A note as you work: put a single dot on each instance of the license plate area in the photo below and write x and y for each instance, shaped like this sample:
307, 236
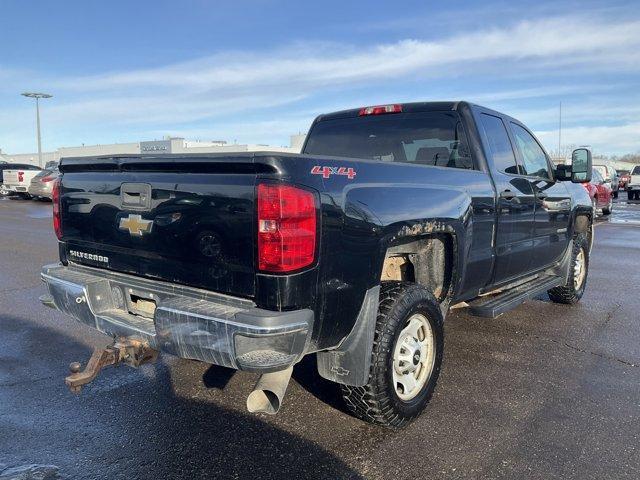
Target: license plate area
141, 303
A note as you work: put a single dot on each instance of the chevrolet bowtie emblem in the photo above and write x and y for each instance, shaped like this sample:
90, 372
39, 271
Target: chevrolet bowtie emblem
136, 225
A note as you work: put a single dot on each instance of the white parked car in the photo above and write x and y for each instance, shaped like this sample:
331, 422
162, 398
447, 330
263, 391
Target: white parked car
633, 185
16, 181
610, 177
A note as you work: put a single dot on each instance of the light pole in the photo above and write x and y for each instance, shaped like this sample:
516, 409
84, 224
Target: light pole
38, 96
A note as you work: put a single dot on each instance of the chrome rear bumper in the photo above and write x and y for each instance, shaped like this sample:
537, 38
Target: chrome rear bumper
187, 322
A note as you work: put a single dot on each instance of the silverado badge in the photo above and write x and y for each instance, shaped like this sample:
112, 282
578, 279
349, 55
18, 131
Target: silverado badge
136, 225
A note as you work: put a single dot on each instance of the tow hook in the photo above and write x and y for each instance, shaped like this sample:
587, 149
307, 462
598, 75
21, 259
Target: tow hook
123, 350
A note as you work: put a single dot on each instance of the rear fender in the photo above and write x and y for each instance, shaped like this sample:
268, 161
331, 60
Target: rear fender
403, 214
377, 218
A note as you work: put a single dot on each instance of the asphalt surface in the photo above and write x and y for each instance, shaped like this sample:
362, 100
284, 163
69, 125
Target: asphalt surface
543, 391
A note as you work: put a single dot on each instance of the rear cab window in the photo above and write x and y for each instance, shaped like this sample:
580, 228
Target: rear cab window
19, 166
421, 138
596, 176
601, 169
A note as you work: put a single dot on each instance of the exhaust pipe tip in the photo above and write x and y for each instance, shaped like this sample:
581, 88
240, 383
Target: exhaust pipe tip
263, 401
269, 392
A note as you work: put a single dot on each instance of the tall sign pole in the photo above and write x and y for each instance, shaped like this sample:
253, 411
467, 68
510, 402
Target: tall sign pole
560, 131
38, 96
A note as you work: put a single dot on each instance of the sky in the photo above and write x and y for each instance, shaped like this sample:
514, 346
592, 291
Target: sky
258, 71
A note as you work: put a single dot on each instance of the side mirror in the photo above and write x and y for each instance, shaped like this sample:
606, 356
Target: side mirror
581, 165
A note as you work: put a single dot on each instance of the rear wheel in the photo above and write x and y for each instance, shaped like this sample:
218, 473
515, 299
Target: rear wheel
573, 290
406, 357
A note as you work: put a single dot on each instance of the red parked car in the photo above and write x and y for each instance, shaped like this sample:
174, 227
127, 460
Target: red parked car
600, 193
623, 178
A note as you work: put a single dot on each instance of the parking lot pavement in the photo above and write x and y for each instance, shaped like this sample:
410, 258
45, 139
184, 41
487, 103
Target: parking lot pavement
543, 391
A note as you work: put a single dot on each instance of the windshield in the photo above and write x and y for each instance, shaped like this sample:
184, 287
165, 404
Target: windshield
433, 138
596, 177
47, 173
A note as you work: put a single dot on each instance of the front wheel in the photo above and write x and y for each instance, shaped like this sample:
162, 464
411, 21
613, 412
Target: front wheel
406, 357
573, 290
607, 210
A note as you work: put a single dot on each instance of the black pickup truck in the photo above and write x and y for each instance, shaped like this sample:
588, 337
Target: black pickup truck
353, 250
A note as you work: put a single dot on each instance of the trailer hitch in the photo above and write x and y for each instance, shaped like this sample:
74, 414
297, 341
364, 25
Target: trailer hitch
123, 350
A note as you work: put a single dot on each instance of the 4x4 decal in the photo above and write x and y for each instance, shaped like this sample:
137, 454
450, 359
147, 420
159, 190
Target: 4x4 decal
326, 172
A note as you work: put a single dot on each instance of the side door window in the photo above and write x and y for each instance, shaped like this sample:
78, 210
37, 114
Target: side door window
504, 160
533, 157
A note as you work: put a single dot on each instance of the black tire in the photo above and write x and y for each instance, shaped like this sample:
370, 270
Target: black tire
378, 402
570, 293
615, 194
607, 210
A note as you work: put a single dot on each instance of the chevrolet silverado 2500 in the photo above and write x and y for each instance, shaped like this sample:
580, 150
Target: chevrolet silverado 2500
353, 250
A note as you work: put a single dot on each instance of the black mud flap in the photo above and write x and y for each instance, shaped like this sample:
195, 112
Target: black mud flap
349, 363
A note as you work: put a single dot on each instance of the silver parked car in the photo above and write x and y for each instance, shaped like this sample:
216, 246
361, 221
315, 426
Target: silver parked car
41, 185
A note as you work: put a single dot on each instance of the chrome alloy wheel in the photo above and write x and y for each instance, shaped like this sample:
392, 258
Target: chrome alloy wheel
579, 270
413, 357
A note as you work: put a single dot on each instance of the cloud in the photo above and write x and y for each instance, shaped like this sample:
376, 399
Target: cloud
618, 139
560, 41
232, 89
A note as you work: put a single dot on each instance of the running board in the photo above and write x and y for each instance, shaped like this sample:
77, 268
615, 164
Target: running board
494, 305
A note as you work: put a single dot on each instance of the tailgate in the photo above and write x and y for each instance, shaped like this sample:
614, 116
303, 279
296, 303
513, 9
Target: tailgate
182, 220
10, 177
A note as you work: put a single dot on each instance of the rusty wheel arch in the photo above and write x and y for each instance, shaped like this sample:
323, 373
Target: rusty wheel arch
428, 259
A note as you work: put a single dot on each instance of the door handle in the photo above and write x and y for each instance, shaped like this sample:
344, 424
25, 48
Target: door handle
507, 195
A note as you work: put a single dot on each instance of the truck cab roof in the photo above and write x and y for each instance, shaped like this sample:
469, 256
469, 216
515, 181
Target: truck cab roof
452, 105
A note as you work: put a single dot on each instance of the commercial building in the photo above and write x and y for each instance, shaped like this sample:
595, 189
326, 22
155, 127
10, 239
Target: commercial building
166, 145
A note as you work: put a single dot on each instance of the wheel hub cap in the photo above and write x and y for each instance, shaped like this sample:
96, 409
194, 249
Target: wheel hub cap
579, 270
413, 357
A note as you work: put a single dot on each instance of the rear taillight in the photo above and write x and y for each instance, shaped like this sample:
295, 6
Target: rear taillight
286, 228
55, 198
380, 110
47, 179
21, 177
